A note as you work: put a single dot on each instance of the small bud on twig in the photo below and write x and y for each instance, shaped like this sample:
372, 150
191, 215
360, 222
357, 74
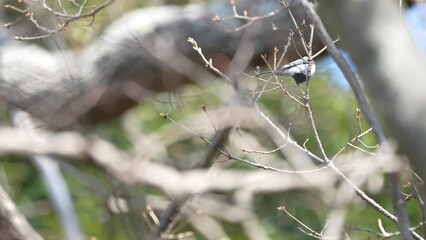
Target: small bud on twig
164, 115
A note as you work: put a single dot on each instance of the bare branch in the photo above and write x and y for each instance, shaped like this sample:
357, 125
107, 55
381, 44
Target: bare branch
62, 16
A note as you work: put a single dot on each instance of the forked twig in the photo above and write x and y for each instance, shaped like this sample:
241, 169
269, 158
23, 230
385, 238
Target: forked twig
214, 148
311, 231
63, 17
249, 19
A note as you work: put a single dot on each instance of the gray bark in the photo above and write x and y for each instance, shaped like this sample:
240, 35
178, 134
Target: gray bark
392, 67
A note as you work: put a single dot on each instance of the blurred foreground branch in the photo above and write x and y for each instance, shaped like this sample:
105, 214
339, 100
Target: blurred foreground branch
137, 170
13, 225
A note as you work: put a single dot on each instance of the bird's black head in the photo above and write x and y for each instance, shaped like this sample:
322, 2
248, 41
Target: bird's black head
299, 78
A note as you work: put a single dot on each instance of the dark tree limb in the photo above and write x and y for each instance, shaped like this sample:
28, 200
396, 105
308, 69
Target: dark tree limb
391, 66
371, 45
218, 142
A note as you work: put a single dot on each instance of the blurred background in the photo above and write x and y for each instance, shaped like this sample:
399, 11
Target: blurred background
120, 68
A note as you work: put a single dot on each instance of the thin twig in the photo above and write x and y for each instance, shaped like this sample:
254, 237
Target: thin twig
367, 146
269, 168
209, 63
315, 234
250, 19
308, 51
315, 131
351, 141
362, 150
380, 234
282, 134
283, 88
62, 16
271, 151
419, 198
304, 44
208, 116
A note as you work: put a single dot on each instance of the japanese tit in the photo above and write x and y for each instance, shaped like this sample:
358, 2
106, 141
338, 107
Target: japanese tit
297, 69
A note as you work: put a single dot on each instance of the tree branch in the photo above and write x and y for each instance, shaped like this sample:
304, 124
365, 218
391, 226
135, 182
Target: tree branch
13, 225
399, 203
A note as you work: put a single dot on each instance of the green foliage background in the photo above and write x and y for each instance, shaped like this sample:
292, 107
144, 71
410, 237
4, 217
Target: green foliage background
334, 110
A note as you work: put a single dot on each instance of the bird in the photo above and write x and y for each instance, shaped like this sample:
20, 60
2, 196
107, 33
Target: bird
297, 69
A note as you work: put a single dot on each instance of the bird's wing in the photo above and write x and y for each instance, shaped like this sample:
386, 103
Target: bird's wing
294, 64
